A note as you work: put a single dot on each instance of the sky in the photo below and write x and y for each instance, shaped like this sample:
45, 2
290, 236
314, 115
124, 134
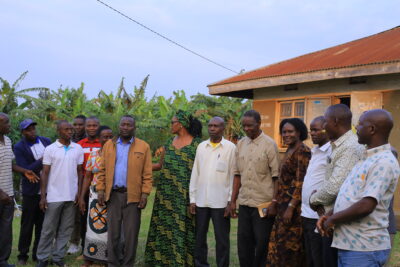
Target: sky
66, 42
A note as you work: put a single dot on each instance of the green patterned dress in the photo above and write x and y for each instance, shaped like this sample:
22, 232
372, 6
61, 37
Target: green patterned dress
171, 236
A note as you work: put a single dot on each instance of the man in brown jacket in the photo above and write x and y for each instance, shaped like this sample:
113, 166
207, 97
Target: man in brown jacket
124, 182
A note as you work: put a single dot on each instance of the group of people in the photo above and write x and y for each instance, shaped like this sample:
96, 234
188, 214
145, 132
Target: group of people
325, 206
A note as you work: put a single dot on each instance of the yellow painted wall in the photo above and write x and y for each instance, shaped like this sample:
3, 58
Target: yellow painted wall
391, 102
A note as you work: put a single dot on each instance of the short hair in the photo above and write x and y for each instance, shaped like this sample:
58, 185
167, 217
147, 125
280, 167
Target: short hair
298, 124
102, 128
2, 114
82, 117
319, 119
342, 113
61, 122
254, 114
127, 116
93, 118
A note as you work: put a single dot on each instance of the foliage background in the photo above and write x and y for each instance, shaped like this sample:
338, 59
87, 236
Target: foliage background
45, 106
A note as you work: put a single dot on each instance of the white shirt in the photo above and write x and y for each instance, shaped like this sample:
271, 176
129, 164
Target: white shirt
6, 158
375, 176
63, 177
38, 150
314, 178
212, 174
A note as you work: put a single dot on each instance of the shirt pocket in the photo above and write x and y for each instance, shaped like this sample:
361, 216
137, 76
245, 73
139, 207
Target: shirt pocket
261, 163
222, 166
138, 155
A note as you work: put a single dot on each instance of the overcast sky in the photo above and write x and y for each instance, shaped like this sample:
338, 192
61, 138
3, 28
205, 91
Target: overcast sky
66, 42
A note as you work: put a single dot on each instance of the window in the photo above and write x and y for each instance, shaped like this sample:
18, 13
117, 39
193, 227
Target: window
291, 109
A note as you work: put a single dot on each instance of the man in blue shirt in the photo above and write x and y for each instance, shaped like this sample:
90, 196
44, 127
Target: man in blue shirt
29, 155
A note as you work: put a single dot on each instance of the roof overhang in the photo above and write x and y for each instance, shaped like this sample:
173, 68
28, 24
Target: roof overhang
244, 89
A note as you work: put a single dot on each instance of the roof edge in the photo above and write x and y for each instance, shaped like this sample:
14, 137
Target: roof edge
303, 55
304, 77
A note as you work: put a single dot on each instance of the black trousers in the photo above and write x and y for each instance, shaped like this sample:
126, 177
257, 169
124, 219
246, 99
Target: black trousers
125, 217
329, 254
83, 223
253, 237
222, 228
312, 243
6, 218
31, 220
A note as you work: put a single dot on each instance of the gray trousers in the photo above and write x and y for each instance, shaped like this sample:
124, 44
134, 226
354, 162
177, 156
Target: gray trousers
6, 218
125, 216
57, 227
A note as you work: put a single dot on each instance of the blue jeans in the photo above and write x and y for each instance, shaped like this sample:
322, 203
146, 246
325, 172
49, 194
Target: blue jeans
362, 258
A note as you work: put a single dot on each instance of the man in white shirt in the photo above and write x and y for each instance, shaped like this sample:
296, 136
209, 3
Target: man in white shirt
210, 192
360, 215
313, 180
62, 168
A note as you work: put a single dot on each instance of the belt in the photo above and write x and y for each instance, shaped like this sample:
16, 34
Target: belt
119, 189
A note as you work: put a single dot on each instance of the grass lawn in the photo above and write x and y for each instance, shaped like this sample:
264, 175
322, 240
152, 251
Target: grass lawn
71, 259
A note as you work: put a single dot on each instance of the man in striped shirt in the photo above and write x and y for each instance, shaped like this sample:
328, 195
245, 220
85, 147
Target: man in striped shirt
6, 189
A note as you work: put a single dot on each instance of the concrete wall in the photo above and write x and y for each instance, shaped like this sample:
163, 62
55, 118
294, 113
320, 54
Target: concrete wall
267, 110
391, 102
382, 83
386, 95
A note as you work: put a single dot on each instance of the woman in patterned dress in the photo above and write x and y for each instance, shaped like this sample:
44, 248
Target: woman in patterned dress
96, 235
285, 244
171, 237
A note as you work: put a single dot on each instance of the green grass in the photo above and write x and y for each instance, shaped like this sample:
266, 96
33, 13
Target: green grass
234, 261
70, 260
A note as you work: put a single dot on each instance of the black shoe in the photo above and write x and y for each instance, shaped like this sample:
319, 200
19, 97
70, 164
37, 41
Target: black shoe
22, 262
42, 263
59, 263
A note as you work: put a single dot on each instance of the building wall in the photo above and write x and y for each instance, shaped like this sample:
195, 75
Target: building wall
391, 102
383, 91
267, 110
382, 83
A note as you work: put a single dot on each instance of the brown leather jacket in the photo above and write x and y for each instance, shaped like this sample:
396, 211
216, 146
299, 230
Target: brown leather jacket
139, 176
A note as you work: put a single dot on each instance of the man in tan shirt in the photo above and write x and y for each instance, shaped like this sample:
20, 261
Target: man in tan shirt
255, 182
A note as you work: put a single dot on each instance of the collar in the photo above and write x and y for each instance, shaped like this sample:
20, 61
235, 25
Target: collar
223, 140
258, 138
71, 145
37, 141
119, 141
376, 150
325, 147
86, 140
343, 138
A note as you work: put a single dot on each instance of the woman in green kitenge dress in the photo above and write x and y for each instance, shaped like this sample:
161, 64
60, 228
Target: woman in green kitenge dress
171, 237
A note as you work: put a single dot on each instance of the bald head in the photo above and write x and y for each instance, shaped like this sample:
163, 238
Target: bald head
374, 127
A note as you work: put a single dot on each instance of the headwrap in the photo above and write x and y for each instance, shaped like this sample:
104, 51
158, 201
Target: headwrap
184, 117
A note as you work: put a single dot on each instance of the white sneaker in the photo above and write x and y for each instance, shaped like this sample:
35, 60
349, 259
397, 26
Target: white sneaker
73, 249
